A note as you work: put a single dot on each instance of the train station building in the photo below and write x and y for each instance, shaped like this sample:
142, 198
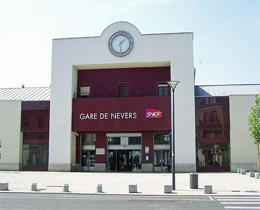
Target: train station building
110, 108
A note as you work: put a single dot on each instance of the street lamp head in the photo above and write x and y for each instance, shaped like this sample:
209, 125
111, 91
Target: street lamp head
173, 84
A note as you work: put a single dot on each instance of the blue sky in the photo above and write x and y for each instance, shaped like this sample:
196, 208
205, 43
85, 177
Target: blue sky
226, 34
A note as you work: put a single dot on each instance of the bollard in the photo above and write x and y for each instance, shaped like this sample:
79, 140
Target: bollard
99, 188
167, 188
3, 186
251, 174
34, 187
207, 189
194, 181
257, 175
132, 188
66, 188
243, 171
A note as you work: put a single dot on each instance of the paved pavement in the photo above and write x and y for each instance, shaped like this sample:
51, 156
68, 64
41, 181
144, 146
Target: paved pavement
118, 183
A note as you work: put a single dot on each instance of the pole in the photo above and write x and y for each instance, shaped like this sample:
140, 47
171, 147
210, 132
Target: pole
173, 85
173, 143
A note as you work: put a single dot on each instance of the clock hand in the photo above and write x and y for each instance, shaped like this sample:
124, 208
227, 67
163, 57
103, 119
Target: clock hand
121, 42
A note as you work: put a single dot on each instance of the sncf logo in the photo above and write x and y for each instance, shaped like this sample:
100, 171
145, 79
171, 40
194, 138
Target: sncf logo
153, 113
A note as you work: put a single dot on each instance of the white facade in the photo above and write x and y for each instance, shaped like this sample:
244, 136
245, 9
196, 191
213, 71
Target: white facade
10, 135
72, 55
243, 150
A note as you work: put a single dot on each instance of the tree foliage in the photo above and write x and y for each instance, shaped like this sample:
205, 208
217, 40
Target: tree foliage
254, 120
254, 127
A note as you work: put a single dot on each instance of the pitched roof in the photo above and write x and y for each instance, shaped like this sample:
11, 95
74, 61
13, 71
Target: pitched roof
226, 90
44, 93
26, 94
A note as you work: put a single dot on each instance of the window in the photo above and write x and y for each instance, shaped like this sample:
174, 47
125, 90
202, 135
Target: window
163, 90
123, 91
113, 140
161, 138
213, 154
134, 140
206, 118
213, 117
35, 154
41, 122
84, 92
88, 139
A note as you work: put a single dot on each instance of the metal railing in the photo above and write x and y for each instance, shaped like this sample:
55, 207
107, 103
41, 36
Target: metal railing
116, 94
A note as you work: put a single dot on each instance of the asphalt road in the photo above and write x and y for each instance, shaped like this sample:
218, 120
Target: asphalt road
98, 201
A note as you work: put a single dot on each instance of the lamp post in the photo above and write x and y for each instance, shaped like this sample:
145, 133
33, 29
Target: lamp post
173, 85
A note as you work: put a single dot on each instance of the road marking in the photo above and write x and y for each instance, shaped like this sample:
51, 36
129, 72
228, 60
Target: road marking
211, 198
241, 207
227, 197
237, 199
240, 203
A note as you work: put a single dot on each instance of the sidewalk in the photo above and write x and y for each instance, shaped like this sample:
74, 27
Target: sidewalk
118, 183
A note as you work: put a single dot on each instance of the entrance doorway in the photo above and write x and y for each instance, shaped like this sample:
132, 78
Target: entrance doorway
124, 160
161, 160
88, 160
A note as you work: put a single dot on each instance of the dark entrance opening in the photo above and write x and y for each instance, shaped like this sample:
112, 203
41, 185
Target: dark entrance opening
124, 160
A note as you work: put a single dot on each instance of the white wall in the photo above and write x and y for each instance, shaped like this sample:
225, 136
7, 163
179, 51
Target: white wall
174, 50
243, 150
182, 70
10, 135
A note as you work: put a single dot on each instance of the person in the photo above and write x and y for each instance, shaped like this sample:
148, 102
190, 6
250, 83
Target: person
137, 162
169, 166
112, 162
122, 160
134, 162
131, 163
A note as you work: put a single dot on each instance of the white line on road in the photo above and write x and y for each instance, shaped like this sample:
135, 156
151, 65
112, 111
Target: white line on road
240, 203
241, 199
241, 207
227, 197
211, 198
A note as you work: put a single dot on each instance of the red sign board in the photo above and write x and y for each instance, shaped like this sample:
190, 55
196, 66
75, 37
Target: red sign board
121, 114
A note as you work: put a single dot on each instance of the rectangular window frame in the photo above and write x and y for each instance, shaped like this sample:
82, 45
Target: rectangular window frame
134, 140
113, 140
161, 139
85, 91
88, 139
163, 89
123, 90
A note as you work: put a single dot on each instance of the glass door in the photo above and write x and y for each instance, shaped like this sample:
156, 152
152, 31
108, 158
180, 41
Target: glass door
124, 160
88, 160
161, 160
136, 156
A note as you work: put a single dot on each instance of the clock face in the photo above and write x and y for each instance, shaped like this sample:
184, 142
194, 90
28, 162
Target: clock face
120, 43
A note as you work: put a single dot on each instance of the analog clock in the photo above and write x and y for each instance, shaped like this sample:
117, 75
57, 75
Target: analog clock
120, 43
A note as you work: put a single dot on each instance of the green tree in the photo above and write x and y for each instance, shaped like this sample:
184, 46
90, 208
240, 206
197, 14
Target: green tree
254, 126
